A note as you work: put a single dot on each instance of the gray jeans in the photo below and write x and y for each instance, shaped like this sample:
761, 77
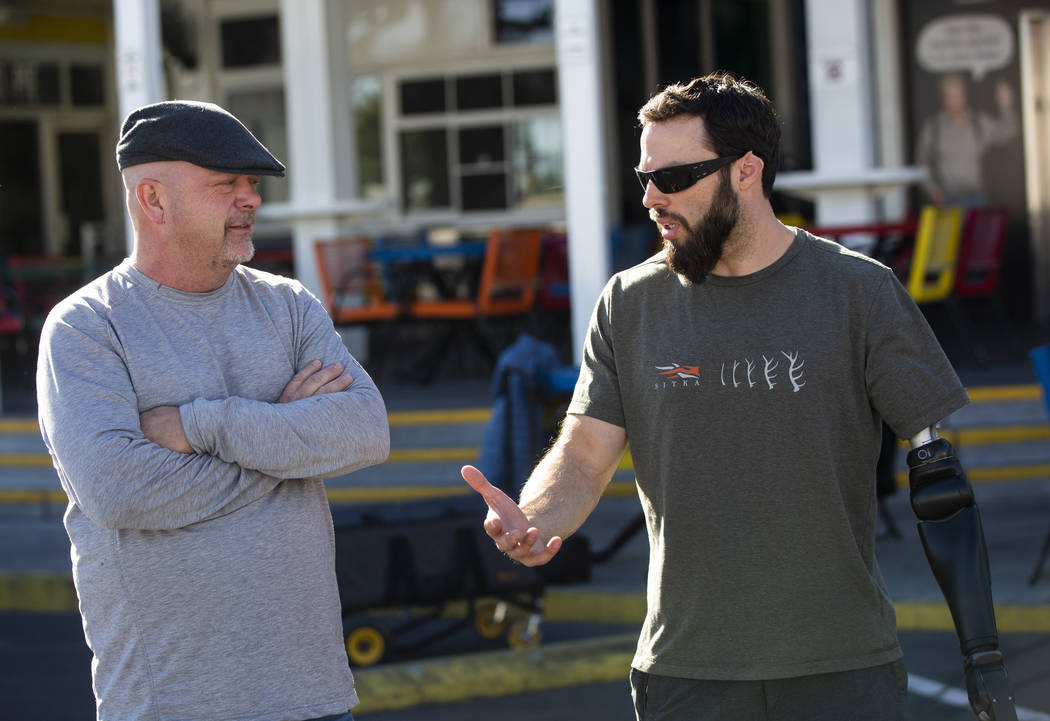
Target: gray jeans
879, 693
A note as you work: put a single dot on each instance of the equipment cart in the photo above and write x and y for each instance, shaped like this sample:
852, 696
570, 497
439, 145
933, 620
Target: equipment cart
406, 570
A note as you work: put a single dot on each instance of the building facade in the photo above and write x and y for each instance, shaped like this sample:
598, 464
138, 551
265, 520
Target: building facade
408, 117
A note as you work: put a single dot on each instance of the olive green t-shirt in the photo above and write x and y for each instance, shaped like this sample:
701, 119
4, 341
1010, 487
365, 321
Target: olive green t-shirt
752, 407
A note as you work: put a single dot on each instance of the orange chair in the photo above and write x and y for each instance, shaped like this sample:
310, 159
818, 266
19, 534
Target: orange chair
507, 288
351, 283
507, 285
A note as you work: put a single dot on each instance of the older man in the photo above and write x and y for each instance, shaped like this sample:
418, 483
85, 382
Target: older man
192, 407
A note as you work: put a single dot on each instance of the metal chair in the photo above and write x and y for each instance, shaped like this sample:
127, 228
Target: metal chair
351, 282
977, 272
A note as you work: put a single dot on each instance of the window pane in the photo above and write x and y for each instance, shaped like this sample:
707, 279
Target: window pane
48, 88
251, 41
412, 33
487, 191
481, 145
424, 169
523, 21
538, 174
479, 91
423, 96
88, 85
366, 100
25, 82
535, 87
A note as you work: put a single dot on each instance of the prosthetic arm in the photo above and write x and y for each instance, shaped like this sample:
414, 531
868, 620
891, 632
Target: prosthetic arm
950, 529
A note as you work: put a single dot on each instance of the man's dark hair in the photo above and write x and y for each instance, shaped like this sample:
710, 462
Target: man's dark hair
737, 116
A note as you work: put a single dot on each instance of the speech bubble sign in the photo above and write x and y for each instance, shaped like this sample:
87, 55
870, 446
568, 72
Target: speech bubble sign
974, 43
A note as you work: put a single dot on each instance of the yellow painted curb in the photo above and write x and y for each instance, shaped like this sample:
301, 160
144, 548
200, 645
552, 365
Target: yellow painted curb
450, 454
994, 474
19, 425
566, 606
25, 460
989, 394
494, 674
964, 437
934, 616
17, 497
385, 494
37, 593
439, 417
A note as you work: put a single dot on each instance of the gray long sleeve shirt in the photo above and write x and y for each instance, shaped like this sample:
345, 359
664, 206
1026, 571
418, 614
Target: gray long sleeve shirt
207, 580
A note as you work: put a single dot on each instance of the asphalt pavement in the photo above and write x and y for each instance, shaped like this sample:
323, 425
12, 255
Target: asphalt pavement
579, 670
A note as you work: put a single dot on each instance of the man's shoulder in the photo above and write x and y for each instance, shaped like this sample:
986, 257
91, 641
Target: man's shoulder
651, 270
272, 289
264, 280
98, 298
838, 258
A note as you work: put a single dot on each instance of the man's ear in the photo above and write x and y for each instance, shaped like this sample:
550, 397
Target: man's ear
750, 169
149, 194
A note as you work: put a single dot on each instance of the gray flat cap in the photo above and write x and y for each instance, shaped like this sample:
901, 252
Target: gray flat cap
200, 133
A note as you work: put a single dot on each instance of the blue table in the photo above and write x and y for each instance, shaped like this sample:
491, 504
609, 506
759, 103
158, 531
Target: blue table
404, 267
416, 253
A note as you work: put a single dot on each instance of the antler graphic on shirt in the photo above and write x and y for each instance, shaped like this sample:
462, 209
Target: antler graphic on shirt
750, 368
795, 371
736, 383
771, 365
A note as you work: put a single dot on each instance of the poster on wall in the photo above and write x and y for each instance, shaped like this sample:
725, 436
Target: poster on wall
964, 77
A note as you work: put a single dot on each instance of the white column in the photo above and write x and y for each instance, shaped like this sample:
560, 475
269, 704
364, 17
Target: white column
840, 91
889, 110
313, 173
586, 193
139, 61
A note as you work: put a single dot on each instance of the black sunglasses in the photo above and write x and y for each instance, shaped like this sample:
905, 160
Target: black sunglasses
676, 178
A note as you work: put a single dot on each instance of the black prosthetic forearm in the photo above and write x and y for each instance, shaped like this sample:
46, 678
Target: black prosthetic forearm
952, 537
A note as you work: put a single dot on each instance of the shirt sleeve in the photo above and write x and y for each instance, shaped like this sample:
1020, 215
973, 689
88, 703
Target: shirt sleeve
89, 419
597, 392
322, 436
911, 382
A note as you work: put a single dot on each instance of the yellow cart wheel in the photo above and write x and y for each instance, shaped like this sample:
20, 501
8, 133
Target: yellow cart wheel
365, 646
490, 619
524, 633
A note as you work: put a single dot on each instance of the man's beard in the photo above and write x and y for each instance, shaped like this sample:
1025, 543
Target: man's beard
698, 251
230, 256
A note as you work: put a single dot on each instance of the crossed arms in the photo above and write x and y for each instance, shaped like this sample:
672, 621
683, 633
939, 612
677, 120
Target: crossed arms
121, 469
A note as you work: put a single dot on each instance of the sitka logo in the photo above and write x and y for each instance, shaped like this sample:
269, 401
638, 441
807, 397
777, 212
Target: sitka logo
677, 376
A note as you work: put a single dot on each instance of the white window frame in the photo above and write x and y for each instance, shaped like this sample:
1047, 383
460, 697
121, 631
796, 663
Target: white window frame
505, 116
